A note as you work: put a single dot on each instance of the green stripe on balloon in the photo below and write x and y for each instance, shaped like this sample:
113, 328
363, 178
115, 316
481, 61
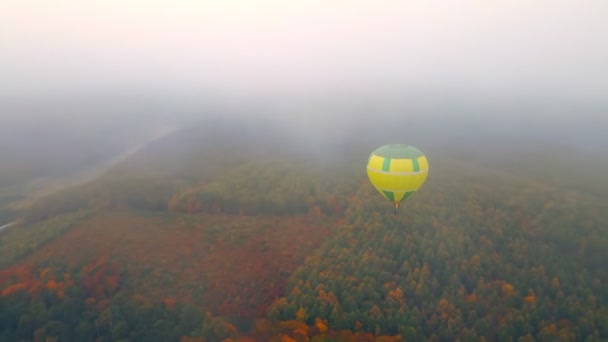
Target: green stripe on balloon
389, 194
386, 165
416, 165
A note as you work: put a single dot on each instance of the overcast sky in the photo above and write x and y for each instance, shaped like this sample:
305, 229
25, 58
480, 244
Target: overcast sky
307, 50
423, 72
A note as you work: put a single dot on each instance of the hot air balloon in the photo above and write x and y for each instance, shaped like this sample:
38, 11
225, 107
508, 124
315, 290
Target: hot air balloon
397, 171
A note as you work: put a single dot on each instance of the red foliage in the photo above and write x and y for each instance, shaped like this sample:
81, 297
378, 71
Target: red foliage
101, 279
25, 278
112, 282
169, 303
14, 288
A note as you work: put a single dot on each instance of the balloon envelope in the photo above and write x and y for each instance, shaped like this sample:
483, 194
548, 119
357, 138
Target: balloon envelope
397, 171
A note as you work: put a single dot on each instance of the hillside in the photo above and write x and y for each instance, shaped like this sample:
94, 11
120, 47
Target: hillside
242, 231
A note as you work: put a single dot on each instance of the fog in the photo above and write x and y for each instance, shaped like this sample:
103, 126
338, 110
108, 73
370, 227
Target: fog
90, 78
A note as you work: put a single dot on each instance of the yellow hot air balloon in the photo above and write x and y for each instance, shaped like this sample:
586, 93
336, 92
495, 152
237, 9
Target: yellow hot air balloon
397, 171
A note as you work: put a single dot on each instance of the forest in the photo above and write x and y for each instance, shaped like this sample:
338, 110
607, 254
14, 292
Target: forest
230, 232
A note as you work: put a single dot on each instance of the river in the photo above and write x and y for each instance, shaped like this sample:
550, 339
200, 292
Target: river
7, 225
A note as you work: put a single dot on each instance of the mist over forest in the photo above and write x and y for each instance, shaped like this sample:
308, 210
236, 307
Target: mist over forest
49, 137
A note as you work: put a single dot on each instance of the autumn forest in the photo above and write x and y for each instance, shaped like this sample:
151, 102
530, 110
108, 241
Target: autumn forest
228, 232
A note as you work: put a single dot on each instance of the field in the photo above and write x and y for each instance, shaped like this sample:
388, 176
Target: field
234, 266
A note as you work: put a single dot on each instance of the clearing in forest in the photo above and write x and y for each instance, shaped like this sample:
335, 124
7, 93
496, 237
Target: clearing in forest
231, 265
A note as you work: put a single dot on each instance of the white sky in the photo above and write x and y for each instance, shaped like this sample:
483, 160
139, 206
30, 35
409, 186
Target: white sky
315, 48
